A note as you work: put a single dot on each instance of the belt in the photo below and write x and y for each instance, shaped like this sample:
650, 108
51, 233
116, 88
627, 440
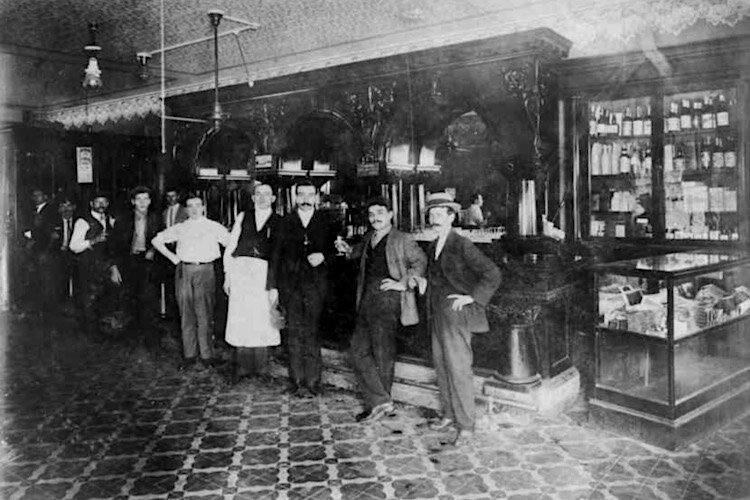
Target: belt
196, 263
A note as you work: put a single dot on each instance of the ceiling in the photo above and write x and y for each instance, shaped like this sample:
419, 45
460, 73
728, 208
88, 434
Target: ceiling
42, 41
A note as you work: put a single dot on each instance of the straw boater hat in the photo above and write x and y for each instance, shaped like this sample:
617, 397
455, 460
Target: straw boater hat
442, 199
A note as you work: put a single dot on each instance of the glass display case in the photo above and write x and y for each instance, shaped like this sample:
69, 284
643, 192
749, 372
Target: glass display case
672, 344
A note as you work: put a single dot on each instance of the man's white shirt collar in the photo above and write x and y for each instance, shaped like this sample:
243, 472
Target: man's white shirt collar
261, 216
305, 216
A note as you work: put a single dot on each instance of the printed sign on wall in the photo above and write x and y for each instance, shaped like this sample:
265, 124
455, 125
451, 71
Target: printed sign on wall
85, 164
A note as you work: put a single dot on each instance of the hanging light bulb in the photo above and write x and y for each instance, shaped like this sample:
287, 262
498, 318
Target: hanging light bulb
92, 75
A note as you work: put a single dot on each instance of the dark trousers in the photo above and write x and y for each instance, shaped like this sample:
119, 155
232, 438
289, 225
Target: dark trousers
42, 288
142, 299
96, 287
304, 307
196, 293
452, 358
373, 344
250, 361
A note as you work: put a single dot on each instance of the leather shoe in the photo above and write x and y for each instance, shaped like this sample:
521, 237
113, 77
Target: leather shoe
359, 417
440, 424
186, 363
381, 411
464, 438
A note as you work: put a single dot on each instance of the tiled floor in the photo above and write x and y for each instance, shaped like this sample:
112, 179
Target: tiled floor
83, 421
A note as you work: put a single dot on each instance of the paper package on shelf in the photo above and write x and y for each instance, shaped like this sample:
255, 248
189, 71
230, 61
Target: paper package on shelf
648, 317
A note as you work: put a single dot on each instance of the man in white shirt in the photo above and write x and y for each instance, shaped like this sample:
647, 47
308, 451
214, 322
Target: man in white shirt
97, 269
198, 240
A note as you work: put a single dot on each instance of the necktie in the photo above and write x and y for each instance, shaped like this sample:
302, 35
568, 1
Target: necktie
66, 233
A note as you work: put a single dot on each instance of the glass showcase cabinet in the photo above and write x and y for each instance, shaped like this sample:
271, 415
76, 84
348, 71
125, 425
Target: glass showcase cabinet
672, 341
658, 151
660, 194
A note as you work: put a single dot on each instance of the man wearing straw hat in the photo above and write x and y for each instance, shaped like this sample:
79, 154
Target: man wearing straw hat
460, 282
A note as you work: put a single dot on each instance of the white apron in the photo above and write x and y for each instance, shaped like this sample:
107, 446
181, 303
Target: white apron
249, 316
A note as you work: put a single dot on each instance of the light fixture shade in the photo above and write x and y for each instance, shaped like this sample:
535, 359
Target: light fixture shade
92, 75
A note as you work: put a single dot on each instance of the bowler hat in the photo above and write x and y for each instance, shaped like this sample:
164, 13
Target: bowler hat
441, 199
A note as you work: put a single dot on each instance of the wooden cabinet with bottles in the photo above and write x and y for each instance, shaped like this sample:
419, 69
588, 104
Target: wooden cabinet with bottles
659, 145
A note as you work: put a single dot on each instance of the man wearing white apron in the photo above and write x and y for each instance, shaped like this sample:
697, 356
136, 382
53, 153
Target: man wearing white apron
249, 325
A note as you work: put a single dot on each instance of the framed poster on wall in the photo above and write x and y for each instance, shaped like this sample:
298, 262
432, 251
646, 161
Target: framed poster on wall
85, 164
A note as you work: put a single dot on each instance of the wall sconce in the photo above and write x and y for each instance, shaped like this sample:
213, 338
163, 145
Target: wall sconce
92, 75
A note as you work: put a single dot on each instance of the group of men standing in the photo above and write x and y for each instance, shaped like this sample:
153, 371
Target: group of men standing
276, 277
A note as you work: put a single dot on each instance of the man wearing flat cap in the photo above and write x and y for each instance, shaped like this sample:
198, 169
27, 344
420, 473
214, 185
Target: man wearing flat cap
460, 282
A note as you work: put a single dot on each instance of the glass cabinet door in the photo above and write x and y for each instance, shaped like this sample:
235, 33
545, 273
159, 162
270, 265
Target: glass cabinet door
700, 166
620, 173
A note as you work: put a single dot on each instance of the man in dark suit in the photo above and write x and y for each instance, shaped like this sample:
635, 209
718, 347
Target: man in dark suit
39, 235
174, 213
302, 253
460, 282
135, 254
65, 265
388, 259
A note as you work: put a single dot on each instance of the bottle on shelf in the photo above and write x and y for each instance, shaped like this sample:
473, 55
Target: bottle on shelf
686, 117
613, 128
646, 164
627, 124
697, 113
691, 154
669, 151
624, 161
593, 119
717, 156
722, 112
602, 123
636, 163
607, 160
638, 121
708, 119
673, 117
706, 152
730, 152
647, 121
679, 157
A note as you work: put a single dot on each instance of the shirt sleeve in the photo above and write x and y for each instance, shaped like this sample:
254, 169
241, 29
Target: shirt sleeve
78, 241
169, 235
234, 238
222, 235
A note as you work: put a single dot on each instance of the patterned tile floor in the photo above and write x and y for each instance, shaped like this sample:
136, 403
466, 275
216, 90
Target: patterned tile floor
85, 421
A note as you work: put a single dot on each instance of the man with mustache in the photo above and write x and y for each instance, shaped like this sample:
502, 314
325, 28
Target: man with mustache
388, 259
460, 282
299, 270
97, 268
